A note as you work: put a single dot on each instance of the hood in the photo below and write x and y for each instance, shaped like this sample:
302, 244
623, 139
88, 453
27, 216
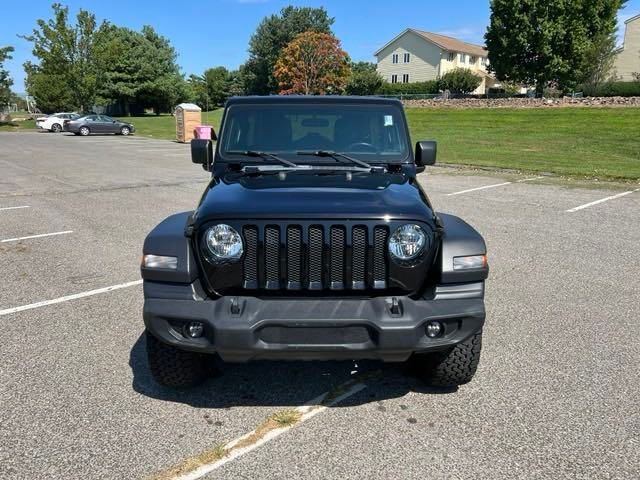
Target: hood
306, 195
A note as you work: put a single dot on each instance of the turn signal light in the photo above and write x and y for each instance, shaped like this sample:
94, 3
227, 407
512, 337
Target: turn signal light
470, 262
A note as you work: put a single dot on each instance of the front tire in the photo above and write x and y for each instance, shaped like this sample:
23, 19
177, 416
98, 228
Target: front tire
125, 131
451, 368
176, 368
84, 131
56, 128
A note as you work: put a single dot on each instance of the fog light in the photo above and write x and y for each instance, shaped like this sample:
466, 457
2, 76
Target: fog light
434, 329
195, 330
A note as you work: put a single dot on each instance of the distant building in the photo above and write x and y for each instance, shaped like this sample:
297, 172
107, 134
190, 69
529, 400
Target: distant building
417, 56
628, 56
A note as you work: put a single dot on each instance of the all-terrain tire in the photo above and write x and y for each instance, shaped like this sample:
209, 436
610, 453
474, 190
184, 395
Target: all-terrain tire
176, 368
453, 367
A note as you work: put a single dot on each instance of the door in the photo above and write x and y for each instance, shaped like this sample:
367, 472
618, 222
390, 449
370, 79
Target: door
107, 124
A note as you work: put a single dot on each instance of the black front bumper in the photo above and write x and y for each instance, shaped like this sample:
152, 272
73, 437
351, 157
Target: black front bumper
240, 329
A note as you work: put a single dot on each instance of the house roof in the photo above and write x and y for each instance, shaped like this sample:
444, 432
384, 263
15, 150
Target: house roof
632, 19
445, 42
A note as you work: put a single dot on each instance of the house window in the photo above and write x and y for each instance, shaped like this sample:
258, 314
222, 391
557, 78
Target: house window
394, 58
483, 61
451, 57
473, 60
394, 78
405, 78
407, 57
462, 58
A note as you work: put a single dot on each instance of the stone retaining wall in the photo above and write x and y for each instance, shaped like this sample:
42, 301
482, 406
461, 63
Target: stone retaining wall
526, 102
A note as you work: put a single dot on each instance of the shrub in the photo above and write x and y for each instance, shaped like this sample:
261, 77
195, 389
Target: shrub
428, 87
615, 89
460, 80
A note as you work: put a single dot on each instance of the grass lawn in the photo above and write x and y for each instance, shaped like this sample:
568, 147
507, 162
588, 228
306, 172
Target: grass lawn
592, 142
15, 126
164, 126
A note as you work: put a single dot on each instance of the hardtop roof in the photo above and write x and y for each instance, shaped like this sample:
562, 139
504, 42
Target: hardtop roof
319, 99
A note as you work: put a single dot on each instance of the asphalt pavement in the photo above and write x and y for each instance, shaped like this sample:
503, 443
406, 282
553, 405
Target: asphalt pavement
556, 394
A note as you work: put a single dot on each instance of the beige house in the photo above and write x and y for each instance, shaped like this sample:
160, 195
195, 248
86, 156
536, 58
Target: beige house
628, 56
417, 56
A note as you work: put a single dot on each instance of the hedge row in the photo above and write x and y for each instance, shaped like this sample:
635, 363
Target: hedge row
614, 89
430, 87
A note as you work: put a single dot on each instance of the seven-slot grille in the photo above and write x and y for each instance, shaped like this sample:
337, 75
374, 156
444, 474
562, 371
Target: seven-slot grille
315, 257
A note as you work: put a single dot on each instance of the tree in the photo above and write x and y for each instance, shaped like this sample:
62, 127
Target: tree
460, 80
218, 82
365, 79
545, 42
5, 79
138, 67
313, 64
197, 91
599, 63
271, 36
66, 75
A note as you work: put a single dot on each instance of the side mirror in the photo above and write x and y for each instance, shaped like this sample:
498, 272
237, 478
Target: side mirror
425, 155
202, 153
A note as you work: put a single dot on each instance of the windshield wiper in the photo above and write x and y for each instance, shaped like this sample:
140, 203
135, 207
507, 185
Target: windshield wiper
338, 155
265, 155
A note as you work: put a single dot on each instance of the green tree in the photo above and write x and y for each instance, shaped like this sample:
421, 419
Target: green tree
5, 79
271, 36
460, 80
600, 59
197, 91
218, 81
546, 42
65, 76
139, 67
313, 64
365, 79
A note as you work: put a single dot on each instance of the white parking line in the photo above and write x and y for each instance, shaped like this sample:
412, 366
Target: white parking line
491, 186
307, 411
602, 200
35, 236
14, 208
75, 296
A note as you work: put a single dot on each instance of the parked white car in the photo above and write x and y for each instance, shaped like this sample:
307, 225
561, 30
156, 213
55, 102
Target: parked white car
54, 122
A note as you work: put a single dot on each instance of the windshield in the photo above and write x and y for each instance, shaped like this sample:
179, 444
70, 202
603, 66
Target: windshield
372, 132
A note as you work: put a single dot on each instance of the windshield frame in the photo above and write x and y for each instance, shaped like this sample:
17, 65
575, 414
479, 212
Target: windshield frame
402, 158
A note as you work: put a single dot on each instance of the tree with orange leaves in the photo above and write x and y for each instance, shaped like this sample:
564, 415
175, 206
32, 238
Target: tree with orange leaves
312, 64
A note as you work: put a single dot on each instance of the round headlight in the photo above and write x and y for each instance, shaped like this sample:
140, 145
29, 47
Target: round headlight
223, 242
407, 242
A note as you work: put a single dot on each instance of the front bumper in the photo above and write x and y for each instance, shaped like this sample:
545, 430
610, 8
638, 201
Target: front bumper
240, 329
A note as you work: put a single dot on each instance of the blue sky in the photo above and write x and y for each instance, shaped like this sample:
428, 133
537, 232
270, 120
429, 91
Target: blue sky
207, 33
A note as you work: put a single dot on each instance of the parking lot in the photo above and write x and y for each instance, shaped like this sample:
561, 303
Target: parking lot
556, 394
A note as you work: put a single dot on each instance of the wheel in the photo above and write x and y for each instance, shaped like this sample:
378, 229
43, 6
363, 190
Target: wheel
56, 128
84, 131
176, 368
451, 368
125, 131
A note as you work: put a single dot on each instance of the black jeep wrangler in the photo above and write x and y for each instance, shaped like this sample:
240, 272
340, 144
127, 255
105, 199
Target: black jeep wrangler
313, 241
